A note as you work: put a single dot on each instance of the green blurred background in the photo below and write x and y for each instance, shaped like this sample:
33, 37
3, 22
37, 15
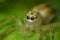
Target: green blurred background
19, 8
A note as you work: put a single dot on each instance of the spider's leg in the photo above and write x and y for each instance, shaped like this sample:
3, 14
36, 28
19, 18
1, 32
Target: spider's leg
1, 21
18, 21
9, 29
51, 28
15, 18
41, 35
52, 33
7, 32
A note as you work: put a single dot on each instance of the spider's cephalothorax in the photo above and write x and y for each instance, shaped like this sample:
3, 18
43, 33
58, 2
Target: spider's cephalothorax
32, 19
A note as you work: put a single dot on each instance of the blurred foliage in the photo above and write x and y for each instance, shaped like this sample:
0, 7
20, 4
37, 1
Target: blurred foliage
2, 1
19, 8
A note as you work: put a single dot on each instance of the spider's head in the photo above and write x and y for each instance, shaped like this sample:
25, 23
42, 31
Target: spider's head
31, 16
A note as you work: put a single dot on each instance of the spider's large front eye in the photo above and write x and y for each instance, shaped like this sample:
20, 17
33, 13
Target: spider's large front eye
27, 17
32, 18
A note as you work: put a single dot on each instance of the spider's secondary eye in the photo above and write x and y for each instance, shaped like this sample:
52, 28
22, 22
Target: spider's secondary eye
28, 17
31, 13
35, 17
25, 14
37, 13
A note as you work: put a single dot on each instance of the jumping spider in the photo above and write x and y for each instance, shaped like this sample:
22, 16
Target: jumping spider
36, 20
